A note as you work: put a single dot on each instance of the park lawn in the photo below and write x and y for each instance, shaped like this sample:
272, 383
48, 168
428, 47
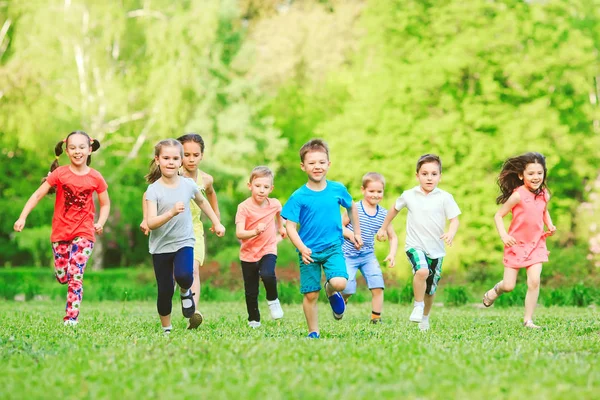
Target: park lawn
118, 351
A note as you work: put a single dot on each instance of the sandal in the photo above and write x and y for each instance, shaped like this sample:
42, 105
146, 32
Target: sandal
486, 300
531, 325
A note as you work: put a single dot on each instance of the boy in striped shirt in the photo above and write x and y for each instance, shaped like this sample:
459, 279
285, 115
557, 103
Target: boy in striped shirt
371, 216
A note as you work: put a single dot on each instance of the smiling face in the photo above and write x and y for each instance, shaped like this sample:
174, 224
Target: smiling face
192, 155
78, 149
169, 160
533, 176
261, 187
316, 164
373, 193
429, 176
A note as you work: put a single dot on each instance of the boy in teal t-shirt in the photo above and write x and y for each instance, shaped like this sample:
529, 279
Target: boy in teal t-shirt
316, 207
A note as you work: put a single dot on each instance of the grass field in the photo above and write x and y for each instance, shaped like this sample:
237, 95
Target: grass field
117, 351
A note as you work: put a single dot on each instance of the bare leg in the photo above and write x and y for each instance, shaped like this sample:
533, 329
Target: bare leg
336, 285
420, 283
507, 284
428, 303
165, 320
309, 305
346, 297
377, 300
196, 283
533, 290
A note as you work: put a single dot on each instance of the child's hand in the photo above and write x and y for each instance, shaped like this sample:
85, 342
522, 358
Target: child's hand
282, 232
357, 240
306, 253
551, 230
178, 208
447, 237
19, 225
508, 240
381, 235
98, 228
219, 230
260, 228
144, 227
391, 260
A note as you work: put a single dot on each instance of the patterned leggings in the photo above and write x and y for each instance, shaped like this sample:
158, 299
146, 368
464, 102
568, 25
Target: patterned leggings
70, 258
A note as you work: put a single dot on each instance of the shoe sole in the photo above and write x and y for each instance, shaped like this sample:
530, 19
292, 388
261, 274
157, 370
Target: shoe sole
195, 321
337, 317
415, 320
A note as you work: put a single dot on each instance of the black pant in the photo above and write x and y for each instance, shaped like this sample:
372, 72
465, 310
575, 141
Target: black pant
180, 264
252, 271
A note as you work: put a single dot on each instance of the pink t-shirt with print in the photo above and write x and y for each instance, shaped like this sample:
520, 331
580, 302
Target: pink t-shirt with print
251, 215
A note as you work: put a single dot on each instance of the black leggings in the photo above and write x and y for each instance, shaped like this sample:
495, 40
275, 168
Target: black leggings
166, 265
252, 272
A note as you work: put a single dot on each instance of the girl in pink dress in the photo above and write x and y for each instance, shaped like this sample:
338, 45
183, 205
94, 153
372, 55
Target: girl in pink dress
522, 182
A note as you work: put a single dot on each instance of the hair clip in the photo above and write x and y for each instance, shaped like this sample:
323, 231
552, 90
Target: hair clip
91, 141
64, 140
56, 157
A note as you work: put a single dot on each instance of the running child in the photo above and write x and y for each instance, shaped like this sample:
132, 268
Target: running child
316, 207
258, 224
428, 209
73, 227
522, 182
171, 232
371, 216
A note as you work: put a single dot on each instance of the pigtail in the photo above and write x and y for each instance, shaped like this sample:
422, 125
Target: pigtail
58, 150
154, 173
95, 145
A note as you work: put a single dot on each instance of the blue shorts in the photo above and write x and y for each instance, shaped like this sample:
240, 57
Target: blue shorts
370, 270
330, 259
418, 259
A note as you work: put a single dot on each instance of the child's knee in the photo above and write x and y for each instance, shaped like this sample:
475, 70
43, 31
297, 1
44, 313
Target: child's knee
311, 297
533, 283
423, 273
338, 284
508, 286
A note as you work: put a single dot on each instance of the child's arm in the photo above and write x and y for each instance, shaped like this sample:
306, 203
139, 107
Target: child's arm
292, 232
448, 237
104, 201
356, 238
211, 194
348, 234
382, 233
30, 205
218, 228
243, 234
156, 221
549, 224
279, 223
512, 201
144, 224
391, 257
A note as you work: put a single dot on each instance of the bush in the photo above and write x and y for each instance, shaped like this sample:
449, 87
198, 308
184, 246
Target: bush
456, 296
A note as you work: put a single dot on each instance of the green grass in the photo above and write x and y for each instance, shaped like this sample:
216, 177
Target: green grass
117, 351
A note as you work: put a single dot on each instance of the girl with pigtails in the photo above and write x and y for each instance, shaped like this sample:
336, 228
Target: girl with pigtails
73, 227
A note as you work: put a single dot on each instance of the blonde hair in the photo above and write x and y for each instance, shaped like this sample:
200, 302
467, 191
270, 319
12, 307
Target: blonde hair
372, 177
155, 173
261, 172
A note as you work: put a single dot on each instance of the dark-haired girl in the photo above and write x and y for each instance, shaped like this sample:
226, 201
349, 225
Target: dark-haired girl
523, 189
73, 227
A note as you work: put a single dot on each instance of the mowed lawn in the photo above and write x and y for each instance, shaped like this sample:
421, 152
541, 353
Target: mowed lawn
118, 351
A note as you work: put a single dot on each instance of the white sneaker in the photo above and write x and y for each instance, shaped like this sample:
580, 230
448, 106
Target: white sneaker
275, 308
416, 315
71, 322
254, 324
424, 326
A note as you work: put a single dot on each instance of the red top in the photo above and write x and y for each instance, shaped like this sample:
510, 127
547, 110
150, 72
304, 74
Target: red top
74, 207
251, 215
527, 227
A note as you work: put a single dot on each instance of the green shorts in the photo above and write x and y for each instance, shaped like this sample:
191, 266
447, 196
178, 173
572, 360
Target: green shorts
418, 259
330, 259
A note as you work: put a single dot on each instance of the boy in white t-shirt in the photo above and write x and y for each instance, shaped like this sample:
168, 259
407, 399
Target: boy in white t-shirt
428, 209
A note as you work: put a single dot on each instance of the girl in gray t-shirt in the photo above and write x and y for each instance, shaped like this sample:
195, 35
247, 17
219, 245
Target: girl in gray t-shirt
168, 216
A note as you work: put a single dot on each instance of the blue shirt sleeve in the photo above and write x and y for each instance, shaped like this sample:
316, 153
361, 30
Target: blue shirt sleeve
345, 197
291, 209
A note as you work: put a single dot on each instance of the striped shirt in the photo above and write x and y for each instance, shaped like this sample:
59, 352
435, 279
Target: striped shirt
369, 225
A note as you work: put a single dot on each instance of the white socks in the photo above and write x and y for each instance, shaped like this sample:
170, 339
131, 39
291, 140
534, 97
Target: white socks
420, 304
186, 303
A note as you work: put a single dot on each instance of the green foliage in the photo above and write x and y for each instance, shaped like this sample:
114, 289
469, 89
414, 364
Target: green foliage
456, 296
